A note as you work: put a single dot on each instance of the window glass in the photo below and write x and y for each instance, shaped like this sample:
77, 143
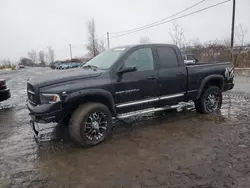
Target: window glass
105, 59
142, 59
167, 57
190, 57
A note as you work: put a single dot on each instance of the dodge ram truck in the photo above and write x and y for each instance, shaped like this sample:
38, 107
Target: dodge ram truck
122, 82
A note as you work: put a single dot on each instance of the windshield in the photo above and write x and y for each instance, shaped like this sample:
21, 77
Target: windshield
190, 57
105, 59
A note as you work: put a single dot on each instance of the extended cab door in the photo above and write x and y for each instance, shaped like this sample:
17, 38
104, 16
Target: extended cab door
172, 74
139, 88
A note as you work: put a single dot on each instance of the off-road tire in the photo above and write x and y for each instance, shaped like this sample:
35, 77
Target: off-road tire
200, 105
77, 123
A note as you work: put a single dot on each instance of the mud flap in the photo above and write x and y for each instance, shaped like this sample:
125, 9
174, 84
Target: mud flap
40, 134
35, 128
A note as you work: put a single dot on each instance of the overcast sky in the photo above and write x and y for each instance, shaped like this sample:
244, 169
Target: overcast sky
36, 24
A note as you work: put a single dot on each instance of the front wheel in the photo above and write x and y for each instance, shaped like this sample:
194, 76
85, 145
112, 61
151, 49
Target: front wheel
90, 124
210, 101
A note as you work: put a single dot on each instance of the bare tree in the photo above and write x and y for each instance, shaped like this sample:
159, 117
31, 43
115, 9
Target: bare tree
194, 42
92, 45
50, 55
227, 42
32, 55
145, 40
241, 32
177, 35
41, 56
101, 46
5, 62
26, 61
238, 54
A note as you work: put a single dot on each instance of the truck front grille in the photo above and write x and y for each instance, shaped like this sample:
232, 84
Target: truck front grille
31, 94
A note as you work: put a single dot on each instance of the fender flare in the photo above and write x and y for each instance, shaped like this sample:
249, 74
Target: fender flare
91, 92
208, 79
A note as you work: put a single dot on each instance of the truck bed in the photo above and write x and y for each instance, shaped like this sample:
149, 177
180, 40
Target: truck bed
206, 63
199, 71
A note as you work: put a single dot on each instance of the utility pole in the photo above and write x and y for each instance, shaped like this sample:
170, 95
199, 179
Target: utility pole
233, 21
70, 51
108, 39
94, 47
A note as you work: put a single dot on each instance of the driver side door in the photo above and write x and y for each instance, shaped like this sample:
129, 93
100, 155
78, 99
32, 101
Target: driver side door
138, 89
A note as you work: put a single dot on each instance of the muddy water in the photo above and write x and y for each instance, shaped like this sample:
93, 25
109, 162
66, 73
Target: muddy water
181, 149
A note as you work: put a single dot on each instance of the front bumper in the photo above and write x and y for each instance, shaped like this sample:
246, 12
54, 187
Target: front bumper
228, 86
4, 94
46, 113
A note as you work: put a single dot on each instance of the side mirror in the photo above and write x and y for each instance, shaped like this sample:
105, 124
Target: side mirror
126, 69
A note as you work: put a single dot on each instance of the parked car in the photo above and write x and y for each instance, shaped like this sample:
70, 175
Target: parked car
75, 65
71, 65
21, 66
4, 91
190, 59
123, 82
65, 66
59, 66
54, 66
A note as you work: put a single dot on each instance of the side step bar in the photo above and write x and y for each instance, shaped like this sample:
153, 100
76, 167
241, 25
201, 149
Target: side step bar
136, 113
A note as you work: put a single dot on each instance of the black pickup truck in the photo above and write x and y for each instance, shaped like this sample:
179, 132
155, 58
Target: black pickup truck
123, 82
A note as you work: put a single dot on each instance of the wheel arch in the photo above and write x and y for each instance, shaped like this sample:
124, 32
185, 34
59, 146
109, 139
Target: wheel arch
212, 80
102, 96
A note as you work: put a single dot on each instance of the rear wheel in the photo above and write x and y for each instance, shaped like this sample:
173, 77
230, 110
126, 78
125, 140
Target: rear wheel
90, 124
210, 101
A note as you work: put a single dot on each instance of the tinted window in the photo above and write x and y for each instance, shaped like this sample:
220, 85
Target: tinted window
190, 57
142, 59
167, 57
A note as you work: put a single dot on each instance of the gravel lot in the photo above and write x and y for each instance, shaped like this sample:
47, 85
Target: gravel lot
183, 149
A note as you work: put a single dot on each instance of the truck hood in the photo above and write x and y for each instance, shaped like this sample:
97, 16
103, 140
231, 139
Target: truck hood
63, 76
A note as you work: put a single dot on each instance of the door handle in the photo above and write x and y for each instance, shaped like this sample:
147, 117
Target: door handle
180, 74
151, 78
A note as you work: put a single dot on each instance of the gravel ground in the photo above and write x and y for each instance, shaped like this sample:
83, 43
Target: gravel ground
183, 149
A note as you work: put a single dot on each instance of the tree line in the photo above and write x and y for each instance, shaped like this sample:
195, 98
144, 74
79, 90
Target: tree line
94, 47
40, 58
215, 50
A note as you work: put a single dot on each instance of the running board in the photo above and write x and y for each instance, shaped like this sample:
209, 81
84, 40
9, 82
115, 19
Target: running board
136, 113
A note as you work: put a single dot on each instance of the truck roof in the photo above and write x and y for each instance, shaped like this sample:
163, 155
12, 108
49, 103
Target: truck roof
143, 45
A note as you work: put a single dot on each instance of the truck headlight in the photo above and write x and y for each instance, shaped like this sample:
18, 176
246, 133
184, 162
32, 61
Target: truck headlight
46, 98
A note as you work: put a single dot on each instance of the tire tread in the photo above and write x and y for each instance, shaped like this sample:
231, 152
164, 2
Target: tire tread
76, 121
199, 103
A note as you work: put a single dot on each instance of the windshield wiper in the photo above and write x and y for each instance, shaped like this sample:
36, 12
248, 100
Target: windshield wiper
90, 66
